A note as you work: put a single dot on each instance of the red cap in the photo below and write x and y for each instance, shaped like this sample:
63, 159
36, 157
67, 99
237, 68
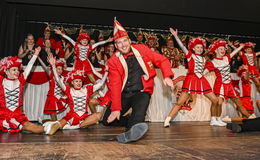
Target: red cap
216, 44
119, 30
9, 62
242, 69
194, 41
60, 63
75, 74
249, 45
83, 36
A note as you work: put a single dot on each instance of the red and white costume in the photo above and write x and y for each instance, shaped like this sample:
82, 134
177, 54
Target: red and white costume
78, 98
118, 70
40, 40
195, 82
245, 91
249, 59
11, 95
223, 86
82, 52
56, 101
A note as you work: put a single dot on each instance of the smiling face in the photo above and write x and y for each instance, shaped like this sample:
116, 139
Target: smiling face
30, 39
249, 50
220, 52
12, 73
59, 70
84, 42
77, 83
123, 45
198, 49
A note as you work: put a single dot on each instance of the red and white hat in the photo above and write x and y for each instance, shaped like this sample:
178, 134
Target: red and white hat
249, 45
47, 29
243, 68
194, 41
75, 74
119, 30
9, 62
216, 44
83, 36
60, 63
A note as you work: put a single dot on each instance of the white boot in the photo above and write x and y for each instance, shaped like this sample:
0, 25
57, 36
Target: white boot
67, 126
51, 127
213, 121
226, 119
167, 122
221, 123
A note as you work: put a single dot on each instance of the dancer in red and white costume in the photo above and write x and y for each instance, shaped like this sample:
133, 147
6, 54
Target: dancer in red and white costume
249, 58
223, 87
244, 87
195, 82
47, 36
83, 49
56, 101
12, 119
78, 96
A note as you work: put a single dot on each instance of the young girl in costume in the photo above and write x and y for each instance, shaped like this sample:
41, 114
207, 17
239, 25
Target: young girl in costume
78, 97
12, 119
195, 82
82, 50
223, 87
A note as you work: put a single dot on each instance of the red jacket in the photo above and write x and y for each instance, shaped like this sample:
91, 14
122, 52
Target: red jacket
118, 71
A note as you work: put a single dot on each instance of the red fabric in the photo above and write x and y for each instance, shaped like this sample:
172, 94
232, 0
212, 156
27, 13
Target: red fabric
245, 89
194, 41
248, 104
253, 71
216, 44
53, 104
38, 78
41, 40
117, 73
60, 46
7, 115
72, 114
227, 92
193, 84
83, 36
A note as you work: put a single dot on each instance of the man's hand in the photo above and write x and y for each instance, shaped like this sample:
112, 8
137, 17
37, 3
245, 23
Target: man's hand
110, 39
114, 115
168, 82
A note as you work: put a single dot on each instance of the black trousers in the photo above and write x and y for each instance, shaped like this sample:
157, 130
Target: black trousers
251, 124
139, 103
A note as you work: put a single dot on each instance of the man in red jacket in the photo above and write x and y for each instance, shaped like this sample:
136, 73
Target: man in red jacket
131, 82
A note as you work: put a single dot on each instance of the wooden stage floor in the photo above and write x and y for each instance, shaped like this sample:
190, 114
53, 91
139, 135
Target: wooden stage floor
183, 140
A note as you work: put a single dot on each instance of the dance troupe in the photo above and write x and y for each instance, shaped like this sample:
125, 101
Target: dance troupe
129, 75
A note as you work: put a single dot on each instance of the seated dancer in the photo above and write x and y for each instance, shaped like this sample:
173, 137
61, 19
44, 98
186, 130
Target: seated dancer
56, 101
223, 87
195, 82
248, 57
83, 49
12, 119
78, 98
131, 82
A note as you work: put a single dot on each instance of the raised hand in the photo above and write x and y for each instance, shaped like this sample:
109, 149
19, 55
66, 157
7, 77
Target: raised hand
51, 60
37, 51
168, 82
242, 45
57, 31
174, 32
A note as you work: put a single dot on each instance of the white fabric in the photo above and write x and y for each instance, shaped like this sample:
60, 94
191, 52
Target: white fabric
162, 98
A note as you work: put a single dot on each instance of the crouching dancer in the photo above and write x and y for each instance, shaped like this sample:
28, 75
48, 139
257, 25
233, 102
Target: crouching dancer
12, 119
78, 99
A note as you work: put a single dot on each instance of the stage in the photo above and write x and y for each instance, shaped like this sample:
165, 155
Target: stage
183, 140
